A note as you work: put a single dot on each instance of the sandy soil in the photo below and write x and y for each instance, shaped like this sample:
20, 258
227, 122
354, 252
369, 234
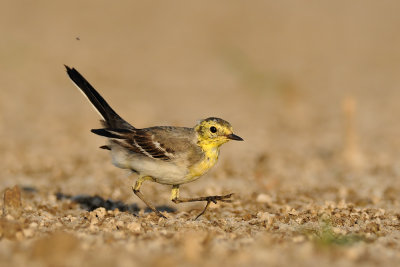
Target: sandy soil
311, 87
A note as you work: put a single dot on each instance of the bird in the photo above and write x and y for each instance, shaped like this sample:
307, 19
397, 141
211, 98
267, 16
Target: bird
166, 155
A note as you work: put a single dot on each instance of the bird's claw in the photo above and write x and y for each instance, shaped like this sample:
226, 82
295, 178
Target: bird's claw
214, 199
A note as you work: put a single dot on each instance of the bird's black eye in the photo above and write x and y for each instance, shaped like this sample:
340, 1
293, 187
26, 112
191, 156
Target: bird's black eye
213, 129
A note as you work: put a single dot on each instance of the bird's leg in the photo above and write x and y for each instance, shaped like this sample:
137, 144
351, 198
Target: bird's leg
136, 190
176, 199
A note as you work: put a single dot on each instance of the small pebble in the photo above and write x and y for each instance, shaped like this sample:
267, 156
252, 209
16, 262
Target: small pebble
264, 198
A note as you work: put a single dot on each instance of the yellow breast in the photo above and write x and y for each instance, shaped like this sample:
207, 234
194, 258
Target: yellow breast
210, 158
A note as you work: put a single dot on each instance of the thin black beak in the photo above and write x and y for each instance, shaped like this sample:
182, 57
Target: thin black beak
234, 137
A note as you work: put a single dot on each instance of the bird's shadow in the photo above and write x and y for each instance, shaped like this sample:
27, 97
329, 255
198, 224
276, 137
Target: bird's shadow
91, 203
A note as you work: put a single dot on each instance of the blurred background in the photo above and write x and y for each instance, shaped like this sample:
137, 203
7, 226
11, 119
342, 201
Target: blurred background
312, 87
279, 72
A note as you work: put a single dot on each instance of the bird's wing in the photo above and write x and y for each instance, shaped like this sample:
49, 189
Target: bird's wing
162, 143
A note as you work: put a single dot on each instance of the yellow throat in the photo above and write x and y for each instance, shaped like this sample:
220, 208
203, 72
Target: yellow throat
211, 153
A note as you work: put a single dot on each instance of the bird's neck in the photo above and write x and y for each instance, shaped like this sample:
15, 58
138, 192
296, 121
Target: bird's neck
211, 154
210, 149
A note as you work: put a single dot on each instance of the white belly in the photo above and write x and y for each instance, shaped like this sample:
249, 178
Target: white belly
163, 172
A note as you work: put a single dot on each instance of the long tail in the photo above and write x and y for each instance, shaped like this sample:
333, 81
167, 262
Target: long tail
110, 118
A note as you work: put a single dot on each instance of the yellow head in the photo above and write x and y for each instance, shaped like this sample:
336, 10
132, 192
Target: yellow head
213, 132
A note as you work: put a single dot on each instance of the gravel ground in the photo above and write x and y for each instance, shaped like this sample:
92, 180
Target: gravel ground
312, 88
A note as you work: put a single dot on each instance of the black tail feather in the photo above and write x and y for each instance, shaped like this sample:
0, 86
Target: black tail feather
111, 118
106, 133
